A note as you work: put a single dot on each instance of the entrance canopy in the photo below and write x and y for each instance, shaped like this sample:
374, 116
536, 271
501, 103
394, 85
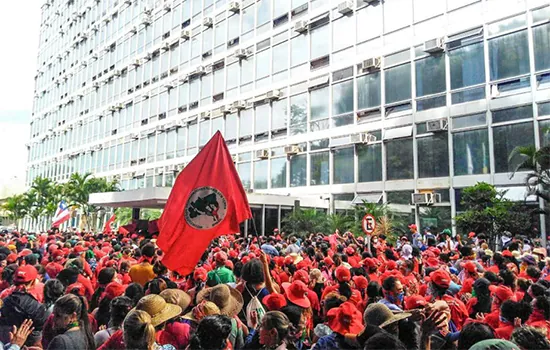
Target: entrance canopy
156, 198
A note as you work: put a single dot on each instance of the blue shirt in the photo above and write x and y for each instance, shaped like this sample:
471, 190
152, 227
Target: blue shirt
328, 342
390, 305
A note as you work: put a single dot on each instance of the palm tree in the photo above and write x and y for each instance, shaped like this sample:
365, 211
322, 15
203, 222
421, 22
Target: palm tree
340, 222
15, 207
537, 162
389, 223
302, 222
78, 190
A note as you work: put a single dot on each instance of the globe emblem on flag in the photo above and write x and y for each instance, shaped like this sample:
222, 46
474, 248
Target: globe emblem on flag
205, 208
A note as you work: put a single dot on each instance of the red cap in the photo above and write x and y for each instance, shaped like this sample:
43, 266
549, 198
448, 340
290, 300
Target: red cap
24, 253
350, 251
12, 257
469, 266
391, 265
296, 293
301, 275
432, 262
77, 288
58, 255
200, 274
25, 274
289, 260
342, 274
113, 290
245, 259
220, 257
360, 282
441, 278
471, 234
233, 253
507, 254
304, 264
503, 293
345, 319
328, 261
215, 250
369, 262
274, 302
279, 260
79, 249
415, 301
229, 264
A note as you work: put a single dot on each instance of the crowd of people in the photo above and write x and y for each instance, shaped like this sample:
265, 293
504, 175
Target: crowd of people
72, 290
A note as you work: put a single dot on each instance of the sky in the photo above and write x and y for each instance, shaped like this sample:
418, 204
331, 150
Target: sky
19, 32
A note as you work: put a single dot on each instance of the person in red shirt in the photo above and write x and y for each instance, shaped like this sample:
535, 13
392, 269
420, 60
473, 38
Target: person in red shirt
54, 267
302, 275
372, 270
406, 268
540, 317
480, 302
510, 319
440, 283
471, 275
343, 276
500, 295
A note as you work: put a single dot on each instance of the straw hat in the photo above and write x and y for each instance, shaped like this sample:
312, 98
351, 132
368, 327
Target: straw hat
177, 297
159, 310
229, 300
380, 315
205, 308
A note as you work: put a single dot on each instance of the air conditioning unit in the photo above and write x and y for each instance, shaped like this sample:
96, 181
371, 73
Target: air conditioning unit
112, 108
119, 106
238, 105
292, 150
241, 53
371, 63
97, 148
300, 26
167, 7
165, 47
168, 86
224, 110
117, 73
185, 34
207, 22
234, 6
159, 129
436, 125
136, 63
425, 198
133, 30
134, 136
345, 7
84, 36
370, 1
362, 138
171, 168
262, 154
145, 20
128, 2
434, 45
95, 28
273, 95
205, 115
199, 71
95, 85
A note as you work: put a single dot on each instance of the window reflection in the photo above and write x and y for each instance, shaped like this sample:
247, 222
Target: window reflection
471, 152
319, 174
399, 159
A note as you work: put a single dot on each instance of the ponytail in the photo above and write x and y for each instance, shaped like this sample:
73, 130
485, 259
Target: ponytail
85, 326
71, 303
344, 289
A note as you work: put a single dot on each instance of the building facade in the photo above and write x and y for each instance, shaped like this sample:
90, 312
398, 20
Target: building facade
361, 99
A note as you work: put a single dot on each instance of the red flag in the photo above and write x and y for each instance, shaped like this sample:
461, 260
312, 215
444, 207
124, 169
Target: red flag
107, 228
207, 201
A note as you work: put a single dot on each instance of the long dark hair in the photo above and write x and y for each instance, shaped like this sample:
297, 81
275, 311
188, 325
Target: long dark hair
105, 276
53, 290
69, 304
483, 295
210, 325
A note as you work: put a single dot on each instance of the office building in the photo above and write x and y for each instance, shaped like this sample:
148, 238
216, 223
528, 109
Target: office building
338, 100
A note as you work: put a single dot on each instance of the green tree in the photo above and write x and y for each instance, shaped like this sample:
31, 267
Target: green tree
77, 191
124, 215
537, 162
489, 212
15, 207
388, 222
303, 222
340, 222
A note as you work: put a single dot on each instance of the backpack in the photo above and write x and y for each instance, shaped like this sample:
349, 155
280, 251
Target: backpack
254, 305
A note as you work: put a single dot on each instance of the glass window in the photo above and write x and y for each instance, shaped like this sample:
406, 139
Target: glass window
541, 42
299, 50
369, 21
298, 114
544, 131
399, 159
433, 156
246, 122
509, 55
231, 127
298, 170
233, 71
398, 83
424, 9
262, 64
233, 27
342, 98
344, 165
467, 66
368, 91
510, 114
192, 141
244, 173
319, 43
280, 57
319, 103
397, 14
430, 75
319, 173
280, 8
278, 172
506, 139
247, 71
264, 11
260, 174
343, 33
370, 162
280, 115
219, 34
204, 131
262, 119
469, 121
248, 19
471, 152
